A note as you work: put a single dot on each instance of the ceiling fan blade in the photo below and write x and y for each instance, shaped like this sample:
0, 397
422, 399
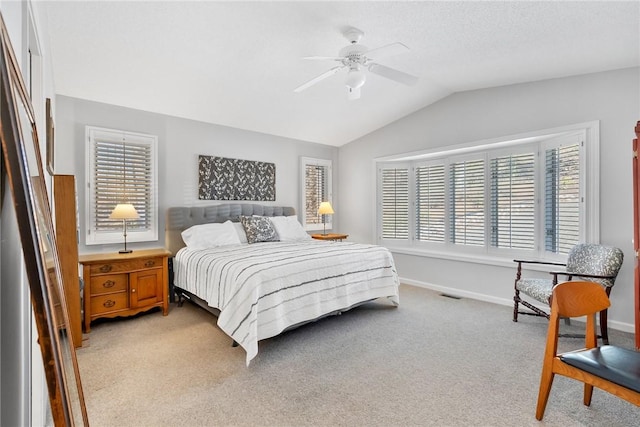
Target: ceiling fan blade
324, 58
395, 75
322, 76
353, 94
385, 51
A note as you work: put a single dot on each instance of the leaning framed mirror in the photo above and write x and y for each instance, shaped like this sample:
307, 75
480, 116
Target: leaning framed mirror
22, 160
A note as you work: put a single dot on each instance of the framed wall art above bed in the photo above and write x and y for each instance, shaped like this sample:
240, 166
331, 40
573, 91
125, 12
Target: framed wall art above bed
221, 178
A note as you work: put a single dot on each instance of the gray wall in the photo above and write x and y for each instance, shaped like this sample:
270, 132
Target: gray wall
180, 141
610, 97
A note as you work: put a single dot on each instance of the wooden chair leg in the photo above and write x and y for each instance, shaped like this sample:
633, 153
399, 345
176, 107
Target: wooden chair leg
546, 381
588, 392
604, 330
516, 298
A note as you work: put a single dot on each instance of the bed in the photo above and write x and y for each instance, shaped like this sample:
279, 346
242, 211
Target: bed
259, 289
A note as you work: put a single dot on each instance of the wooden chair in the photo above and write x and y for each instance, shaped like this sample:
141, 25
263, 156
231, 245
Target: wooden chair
585, 261
610, 368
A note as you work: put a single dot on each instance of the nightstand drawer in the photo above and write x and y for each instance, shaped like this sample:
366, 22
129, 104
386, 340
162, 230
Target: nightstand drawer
109, 283
126, 265
108, 303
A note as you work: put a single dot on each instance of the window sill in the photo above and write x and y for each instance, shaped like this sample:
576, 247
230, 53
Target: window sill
485, 259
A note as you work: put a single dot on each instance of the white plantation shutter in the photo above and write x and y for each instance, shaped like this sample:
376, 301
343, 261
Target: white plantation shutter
466, 198
562, 198
513, 201
121, 169
430, 203
535, 196
395, 203
316, 188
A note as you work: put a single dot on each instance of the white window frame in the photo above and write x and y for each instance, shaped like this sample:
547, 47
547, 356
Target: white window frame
589, 194
108, 237
309, 161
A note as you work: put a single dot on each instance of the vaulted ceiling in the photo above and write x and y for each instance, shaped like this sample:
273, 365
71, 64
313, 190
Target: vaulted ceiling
237, 63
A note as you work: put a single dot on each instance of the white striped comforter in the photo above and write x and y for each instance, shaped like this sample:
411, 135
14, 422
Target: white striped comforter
263, 288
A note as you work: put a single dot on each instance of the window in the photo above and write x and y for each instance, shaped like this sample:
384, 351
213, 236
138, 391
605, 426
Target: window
316, 188
395, 203
562, 196
466, 201
513, 201
121, 168
430, 203
527, 195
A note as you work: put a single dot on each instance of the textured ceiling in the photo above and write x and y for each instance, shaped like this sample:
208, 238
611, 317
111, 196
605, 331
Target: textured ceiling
237, 63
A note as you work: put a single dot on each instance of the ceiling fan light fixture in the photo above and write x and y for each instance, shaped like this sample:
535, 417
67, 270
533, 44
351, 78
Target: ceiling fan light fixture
355, 79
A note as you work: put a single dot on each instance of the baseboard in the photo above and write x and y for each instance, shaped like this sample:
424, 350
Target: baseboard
619, 326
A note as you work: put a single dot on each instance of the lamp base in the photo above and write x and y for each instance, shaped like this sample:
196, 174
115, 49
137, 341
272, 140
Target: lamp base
125, 251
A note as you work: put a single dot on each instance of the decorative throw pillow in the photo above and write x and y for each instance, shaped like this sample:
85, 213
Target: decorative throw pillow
258, 229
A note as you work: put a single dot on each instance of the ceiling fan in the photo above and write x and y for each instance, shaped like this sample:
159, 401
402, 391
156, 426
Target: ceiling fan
356, 58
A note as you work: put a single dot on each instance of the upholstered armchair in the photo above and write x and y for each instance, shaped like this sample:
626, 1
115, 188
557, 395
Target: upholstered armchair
588, 262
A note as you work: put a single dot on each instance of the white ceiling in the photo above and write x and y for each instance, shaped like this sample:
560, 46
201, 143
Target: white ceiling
237, 63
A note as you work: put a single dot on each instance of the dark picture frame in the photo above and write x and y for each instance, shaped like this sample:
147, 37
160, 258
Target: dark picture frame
23, 168
50, 138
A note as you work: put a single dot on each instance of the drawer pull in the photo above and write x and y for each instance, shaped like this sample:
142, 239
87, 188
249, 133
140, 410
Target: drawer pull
106, 268
150, 263
109, 284
109, 303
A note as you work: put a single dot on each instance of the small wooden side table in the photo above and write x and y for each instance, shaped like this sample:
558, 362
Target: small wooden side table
124, 284
330, 236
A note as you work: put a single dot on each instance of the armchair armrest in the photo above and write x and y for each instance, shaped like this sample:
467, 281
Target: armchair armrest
570, 275
522, 261
573, 273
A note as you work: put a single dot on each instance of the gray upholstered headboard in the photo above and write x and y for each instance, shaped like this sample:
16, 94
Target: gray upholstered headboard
180, 218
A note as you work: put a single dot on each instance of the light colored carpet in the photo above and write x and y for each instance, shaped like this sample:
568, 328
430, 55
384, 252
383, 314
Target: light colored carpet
433, 361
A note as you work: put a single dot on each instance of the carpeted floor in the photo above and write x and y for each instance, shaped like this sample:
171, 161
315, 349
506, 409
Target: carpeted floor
433, 361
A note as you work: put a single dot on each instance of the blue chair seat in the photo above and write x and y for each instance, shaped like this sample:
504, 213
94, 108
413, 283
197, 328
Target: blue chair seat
616, 364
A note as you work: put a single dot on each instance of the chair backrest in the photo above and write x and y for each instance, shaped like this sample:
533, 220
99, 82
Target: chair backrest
575, 299
601, 260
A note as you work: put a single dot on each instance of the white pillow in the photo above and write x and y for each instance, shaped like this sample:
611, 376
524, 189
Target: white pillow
210, 235
288, 228
242, 235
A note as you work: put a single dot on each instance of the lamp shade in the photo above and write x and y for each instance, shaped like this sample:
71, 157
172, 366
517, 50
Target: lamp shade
325, 208
124, 211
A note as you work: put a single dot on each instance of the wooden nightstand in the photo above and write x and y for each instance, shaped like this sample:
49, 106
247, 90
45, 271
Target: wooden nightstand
330, 236
124, 284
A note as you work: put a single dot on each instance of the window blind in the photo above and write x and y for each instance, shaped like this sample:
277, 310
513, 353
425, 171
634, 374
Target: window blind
467, 202
122, 174
121, 168
562, 198
513, 201
315, 184
430, 203
526, 196
395, 203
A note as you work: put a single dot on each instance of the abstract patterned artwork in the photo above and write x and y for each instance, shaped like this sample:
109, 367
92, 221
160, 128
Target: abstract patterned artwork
221, 178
